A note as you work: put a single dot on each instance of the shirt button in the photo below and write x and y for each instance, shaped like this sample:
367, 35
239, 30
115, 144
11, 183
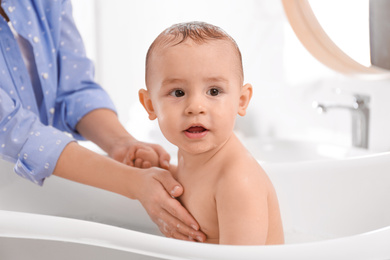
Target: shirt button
45, 75
10, 9
51, 110
36, 39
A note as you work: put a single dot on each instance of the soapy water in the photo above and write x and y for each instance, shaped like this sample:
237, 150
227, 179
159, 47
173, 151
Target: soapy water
165, 225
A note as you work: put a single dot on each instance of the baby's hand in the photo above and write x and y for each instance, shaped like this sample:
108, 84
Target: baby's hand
140, 154
145, 157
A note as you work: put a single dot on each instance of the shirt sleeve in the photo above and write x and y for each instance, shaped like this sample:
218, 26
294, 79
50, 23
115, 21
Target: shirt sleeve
25, 141
78, 93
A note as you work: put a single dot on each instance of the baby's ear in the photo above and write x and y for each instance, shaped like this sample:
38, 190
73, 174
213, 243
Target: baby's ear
145, 100
245, 97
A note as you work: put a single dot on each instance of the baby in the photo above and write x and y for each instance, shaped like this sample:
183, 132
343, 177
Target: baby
194, 80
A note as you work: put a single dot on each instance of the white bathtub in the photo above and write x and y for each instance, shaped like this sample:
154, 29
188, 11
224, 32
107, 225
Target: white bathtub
331, 209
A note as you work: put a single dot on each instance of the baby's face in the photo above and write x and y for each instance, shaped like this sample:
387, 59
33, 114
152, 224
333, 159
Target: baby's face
196, 93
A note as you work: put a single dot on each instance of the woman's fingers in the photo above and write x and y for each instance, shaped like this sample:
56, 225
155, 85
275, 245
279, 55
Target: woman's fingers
156, 193
177, 229
179, 214
130, 156
180, 222
171, 185
170, 216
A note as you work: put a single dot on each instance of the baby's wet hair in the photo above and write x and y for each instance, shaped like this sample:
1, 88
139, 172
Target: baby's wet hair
198, 32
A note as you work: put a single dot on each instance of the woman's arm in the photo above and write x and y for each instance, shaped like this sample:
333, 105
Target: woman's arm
152, 187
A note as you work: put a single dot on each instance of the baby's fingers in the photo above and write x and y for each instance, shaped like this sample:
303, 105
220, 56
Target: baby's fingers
138, 162
146, 164
148, 155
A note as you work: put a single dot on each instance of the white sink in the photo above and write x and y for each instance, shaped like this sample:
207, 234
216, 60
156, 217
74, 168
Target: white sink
283, 150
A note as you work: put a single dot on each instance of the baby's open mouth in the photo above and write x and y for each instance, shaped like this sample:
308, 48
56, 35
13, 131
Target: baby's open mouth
196, 132
196, 129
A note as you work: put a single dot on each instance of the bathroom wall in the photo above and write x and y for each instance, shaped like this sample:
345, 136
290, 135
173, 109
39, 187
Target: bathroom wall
294, 117
285, 77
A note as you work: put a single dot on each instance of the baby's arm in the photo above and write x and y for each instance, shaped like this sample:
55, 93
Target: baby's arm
242, 208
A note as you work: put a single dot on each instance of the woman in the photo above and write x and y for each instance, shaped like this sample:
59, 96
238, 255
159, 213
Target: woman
47, 91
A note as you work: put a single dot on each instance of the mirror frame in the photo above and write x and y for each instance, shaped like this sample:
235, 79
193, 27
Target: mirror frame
313, 37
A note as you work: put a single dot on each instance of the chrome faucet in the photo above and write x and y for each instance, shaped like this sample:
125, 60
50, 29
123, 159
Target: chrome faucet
360, 118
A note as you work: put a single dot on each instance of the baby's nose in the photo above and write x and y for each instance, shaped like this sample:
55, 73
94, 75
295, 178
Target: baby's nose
195, 107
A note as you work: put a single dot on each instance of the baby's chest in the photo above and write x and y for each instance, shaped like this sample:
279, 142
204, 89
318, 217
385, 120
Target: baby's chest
199, 200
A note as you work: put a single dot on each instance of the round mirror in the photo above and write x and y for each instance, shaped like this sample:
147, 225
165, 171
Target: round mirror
356, 44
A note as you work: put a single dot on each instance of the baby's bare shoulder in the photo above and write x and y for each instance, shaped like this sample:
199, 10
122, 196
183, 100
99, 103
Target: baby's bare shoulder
240, 170
244, 172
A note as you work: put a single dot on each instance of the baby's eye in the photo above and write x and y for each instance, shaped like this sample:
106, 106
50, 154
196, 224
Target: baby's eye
213, 92
177, 93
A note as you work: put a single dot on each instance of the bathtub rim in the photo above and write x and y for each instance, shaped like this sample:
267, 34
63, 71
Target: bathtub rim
16, 225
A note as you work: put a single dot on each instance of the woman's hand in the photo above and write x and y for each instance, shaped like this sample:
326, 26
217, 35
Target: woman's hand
153, 187
102, 127
157, 194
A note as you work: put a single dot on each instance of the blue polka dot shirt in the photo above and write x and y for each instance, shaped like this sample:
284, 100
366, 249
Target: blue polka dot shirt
36, 123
